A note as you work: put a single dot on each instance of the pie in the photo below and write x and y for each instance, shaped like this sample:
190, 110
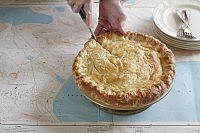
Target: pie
130, 71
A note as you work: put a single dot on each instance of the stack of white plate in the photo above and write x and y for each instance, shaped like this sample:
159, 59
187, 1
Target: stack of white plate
167, 23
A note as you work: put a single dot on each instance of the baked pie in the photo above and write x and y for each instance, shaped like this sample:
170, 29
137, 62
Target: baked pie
124, 72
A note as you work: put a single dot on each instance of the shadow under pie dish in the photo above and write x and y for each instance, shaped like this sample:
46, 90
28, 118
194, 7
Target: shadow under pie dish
124, 72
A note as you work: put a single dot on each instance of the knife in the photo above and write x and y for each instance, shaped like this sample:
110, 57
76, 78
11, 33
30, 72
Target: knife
83, 16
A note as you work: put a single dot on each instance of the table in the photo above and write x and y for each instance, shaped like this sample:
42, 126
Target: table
38, 42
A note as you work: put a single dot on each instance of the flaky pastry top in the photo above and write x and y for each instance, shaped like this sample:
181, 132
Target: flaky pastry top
131, 70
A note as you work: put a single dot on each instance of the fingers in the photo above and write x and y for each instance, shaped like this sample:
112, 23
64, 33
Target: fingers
121, 30
70, 2
75, 5
120, 26
102, 27
105, 26
100, 30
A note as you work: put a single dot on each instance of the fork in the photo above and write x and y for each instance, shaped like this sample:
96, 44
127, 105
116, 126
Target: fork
180, 32
187, 30
184, 31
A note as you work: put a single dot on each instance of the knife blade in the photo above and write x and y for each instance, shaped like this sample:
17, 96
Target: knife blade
83, 16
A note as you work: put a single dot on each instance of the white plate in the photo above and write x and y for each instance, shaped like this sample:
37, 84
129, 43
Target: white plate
166, 20
165, 36
178, 46
174, 44
175, 39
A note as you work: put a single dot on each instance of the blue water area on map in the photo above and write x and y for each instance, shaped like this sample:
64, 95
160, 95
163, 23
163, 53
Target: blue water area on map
21, 15
131, 1
60, 9
181, 103
29, 57
71, 105
60, 79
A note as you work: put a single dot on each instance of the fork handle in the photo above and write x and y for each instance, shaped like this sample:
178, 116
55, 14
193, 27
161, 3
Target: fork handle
182, 18
187, 16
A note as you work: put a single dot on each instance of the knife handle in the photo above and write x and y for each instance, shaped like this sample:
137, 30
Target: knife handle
83, 16
82, 13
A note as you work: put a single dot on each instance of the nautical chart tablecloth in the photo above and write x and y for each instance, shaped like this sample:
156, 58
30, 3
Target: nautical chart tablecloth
38, 43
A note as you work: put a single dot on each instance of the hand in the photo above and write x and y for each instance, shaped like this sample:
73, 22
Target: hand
111, 17
76, 6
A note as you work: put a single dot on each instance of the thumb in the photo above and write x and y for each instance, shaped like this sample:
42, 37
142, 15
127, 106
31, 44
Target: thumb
121, 26
121, 30
88, 12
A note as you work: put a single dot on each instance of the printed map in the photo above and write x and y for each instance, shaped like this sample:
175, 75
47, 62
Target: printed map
37, 48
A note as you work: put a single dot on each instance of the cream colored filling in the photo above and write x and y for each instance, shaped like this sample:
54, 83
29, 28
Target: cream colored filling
121, 64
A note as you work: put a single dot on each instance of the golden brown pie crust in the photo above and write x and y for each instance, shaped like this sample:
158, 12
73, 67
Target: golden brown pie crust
128, 71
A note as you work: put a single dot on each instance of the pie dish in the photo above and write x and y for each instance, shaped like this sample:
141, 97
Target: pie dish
124, 72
